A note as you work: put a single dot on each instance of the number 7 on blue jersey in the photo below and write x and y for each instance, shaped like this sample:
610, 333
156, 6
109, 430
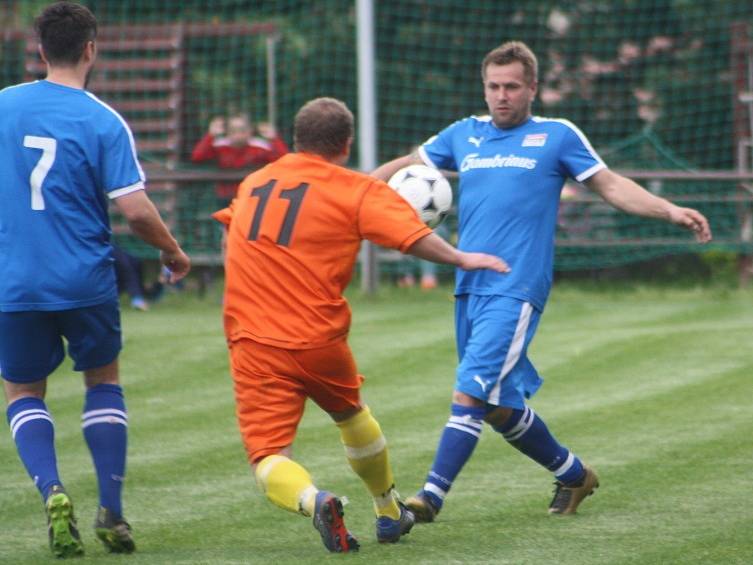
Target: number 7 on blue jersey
49, 147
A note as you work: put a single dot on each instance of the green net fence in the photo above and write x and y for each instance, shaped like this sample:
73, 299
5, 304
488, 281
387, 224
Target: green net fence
657, 85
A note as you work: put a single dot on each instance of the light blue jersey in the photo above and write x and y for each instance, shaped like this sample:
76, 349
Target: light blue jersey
510, 183
62, 153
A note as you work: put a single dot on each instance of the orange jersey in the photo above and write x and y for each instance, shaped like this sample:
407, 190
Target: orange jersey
295, 229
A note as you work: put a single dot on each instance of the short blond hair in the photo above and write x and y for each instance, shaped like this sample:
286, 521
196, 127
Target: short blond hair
510, 52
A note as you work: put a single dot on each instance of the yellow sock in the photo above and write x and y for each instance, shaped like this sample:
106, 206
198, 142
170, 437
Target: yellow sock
366, 450
287, 484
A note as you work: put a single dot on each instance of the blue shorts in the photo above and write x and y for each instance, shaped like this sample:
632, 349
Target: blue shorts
31, 342
493, 333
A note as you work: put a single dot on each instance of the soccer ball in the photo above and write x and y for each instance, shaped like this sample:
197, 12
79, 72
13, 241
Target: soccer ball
426, 190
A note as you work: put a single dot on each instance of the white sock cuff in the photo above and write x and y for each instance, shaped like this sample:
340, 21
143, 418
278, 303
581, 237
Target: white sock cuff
376, 446
565, 467
27, 416
434, 489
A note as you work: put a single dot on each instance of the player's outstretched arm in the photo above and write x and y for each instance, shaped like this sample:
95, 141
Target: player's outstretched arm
146, 224
628, 196
434, 248
385, 171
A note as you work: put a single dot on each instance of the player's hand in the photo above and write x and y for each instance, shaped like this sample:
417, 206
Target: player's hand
692, 220
476, 261
177, 262
217, 126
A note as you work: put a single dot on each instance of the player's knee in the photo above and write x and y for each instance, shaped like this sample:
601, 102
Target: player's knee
339, 417
498, 416
256, 458
107, 375
17, 391
464, 399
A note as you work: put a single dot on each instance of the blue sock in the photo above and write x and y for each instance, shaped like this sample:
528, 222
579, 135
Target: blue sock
34, 434
528, 433
105, 425
456, 445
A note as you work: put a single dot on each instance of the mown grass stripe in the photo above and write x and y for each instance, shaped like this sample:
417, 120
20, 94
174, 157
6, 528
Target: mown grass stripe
650, 386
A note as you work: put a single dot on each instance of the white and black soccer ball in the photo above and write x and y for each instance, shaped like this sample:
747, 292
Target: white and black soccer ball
426, 190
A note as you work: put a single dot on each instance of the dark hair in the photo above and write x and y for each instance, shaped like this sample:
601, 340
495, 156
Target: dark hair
64, 29
511, 52
323, 126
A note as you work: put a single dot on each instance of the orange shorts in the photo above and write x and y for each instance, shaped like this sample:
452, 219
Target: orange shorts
272, 385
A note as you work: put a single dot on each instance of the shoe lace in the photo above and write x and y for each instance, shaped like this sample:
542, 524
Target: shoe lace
562, 495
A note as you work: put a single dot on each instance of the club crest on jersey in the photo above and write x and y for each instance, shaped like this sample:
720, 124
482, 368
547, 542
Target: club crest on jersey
534, 140
475, 141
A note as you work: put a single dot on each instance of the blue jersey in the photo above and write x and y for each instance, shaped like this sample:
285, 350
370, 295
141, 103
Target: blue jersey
62, 153
510, 184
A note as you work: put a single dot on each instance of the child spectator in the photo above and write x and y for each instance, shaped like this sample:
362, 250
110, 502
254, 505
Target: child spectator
240, 147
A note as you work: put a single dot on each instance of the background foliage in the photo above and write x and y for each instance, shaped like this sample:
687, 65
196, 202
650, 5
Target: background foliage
651, 82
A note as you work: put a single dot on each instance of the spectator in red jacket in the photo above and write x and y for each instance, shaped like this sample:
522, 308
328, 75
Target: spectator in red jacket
239, 148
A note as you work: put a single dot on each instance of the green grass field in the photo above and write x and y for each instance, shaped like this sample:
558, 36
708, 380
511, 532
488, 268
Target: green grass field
652, 387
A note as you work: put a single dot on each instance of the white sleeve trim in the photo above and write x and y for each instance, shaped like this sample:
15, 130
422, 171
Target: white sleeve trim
425, 157
118, 192
128, 132
588, 173
586, 143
